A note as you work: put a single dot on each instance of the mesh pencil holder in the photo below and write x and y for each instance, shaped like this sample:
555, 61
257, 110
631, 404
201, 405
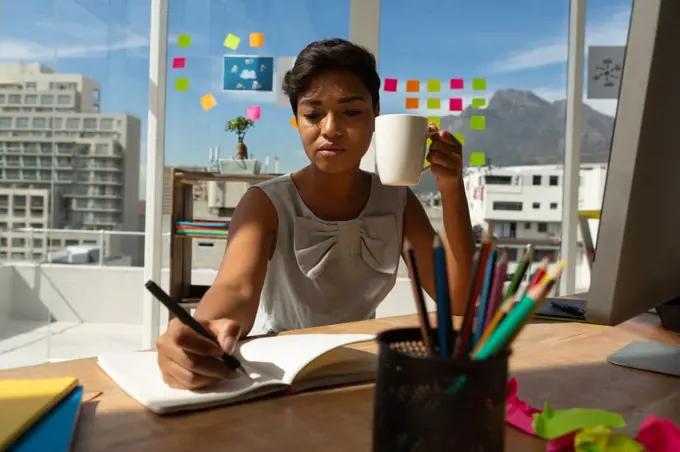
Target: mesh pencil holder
426, 403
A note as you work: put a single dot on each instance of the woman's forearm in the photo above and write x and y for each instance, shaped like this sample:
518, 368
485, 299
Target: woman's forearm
459, 243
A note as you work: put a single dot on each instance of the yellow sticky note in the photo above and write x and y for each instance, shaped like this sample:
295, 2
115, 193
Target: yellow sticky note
412, 103
208, 101
478, 102
434, 86
602, 439
460, 137
477, 122
477, 159
256, 39
434, 103
181, 84
232, 41
479, 84
293, 122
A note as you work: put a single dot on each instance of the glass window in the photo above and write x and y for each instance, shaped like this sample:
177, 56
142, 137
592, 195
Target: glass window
57, 123
5, 122
14, 99
553, 205
542, 227
89, 124
536, 179
31, 99
21, 123
554, 180
47, 99
536, 205
507, 205
73, 123
64, 99
106, 124
39, 123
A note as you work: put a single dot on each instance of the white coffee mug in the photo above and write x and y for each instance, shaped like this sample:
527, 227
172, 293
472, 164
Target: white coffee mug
400, 145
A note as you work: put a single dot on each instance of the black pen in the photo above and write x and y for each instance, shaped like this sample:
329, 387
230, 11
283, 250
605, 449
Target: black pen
185, 318
569, 309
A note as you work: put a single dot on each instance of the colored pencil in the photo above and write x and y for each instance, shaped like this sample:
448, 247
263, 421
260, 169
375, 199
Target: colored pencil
520, 272
509, 297
485, 296
473, 293
497, 288
536, 278
429, 338
444, 315
517, 318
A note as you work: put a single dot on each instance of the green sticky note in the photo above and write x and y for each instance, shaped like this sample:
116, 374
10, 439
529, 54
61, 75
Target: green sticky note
551, 424
479, 84
460, 137
434, 86
183, 41
232, 41
477, 159
477, 122
434, 104
181, 84
478, 102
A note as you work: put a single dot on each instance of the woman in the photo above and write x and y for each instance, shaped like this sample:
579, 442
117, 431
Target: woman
322, 245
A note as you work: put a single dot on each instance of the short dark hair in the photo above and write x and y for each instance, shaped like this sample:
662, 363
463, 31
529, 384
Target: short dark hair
331, 54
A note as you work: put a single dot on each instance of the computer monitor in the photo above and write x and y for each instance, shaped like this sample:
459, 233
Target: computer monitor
637, 264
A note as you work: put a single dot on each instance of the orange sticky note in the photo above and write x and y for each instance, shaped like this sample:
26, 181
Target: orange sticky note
412, 103
293, 122
208, 101
256, 39
412, 86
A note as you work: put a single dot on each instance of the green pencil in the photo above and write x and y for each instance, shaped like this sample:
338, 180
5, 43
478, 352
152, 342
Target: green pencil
520, 272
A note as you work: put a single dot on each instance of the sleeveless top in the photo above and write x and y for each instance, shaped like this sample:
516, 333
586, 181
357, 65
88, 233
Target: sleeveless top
325, 272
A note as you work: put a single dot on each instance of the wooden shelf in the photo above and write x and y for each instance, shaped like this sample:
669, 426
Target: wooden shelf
181, 289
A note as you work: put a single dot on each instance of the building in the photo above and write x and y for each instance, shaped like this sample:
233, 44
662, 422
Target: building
525, 205
64, 165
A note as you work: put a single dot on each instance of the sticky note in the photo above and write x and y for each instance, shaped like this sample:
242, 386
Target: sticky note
179, 63
412, 86
208, 101
412, 103
256, 39
434, 104
434, 86
390, 85
477, 159
477, 122
655, 431
293, 122
253, 113
457, 83
460, 137
602, 439
479, 84
478, 102
182, 84
456, 104
232, 41
551, 424
183, 41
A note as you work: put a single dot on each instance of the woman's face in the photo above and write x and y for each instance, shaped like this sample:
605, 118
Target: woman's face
336, 119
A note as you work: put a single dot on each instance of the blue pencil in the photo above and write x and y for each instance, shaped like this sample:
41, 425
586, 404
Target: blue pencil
484, 299
444, 321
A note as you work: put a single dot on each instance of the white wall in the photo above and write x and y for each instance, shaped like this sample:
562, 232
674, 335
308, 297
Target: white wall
6, 285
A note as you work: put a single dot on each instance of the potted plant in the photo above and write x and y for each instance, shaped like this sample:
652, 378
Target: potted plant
240, 126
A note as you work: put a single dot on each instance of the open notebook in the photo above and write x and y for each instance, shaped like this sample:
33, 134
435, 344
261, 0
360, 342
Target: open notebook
275, 364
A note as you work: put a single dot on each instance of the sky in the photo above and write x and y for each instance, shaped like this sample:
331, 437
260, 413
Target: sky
518, 45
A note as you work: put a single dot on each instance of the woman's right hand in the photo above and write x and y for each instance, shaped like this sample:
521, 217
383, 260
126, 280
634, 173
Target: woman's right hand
190, 361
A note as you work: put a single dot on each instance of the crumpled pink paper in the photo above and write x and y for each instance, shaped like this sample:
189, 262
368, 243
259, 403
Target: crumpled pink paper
659, 435
518, 413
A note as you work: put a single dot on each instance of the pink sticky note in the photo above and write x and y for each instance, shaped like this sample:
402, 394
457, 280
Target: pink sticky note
456, 83
253, 113
179, 63
658, 435
456, 104
518, 413
390, 85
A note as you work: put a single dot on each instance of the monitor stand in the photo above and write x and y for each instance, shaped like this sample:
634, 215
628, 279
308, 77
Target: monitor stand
649, 356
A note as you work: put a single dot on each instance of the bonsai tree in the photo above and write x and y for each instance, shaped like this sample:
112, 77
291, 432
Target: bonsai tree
240, 126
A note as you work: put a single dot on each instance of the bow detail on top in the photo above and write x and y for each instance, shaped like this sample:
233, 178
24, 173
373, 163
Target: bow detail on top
374, 238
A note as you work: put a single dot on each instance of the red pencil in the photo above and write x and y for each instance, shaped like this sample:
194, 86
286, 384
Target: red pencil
475, 289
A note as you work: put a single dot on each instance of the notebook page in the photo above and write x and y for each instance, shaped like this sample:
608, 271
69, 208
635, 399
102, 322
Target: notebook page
283, 357
138, 374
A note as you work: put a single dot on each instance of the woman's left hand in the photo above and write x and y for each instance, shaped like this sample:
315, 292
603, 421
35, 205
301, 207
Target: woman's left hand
446, 158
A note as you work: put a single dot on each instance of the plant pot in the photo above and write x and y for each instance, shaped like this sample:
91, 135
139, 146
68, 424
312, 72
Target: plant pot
241, 151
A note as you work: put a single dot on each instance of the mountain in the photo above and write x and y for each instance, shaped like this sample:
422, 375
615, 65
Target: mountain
524, 129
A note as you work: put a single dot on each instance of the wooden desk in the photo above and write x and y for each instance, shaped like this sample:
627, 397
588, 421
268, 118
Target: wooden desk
564, 363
